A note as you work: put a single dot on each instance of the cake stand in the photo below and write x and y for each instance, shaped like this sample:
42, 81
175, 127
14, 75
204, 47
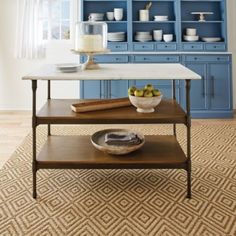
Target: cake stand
202, 15
90, 64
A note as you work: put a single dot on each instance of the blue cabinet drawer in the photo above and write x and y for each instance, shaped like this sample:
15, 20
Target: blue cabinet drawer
156, 58
215, 47
208, 58
118, 46
112, 58
166, 47
192, 47
143, 47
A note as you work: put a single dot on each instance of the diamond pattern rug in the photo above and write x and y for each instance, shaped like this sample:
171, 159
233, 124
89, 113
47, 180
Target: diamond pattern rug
125, 202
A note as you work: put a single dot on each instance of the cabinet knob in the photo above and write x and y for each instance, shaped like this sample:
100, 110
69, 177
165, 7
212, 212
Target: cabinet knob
195, 58
117, 46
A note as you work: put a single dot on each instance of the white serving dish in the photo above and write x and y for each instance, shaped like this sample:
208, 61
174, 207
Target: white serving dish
98, 141
211, 39
68, 67
145, 104
191, 38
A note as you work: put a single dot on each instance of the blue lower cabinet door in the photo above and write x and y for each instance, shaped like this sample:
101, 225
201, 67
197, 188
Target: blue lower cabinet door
219, 86
198, 91
118, 88
92, 89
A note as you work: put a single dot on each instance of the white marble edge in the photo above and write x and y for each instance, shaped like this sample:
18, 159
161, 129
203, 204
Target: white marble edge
127, 71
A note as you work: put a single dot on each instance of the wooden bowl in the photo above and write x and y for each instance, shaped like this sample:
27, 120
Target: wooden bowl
98, 141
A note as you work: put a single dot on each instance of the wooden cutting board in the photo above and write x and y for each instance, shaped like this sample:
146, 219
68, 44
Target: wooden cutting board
101, 104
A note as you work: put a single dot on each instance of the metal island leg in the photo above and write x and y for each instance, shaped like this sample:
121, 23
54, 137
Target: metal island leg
49, 97
34, 127
188, 124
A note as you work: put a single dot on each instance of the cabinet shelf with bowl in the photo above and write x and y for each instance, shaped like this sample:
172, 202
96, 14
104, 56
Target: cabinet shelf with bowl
208, 18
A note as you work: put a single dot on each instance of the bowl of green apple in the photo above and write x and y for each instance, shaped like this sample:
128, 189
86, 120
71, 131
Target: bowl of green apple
145, 99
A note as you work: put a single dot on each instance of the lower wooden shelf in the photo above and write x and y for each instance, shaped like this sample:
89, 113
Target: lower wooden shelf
77, 152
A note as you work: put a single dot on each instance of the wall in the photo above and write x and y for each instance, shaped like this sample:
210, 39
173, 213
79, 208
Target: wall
15, 93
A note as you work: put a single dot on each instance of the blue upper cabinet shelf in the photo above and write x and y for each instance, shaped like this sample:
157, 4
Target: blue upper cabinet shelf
208, 18
211, 34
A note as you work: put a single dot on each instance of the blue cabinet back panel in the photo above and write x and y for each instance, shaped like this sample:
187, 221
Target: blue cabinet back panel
196, 6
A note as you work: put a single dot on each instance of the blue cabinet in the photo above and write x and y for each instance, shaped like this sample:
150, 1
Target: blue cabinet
101, 88
211, 97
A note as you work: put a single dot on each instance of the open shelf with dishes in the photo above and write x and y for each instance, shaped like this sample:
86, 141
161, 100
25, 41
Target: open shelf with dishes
203, 23
173, 17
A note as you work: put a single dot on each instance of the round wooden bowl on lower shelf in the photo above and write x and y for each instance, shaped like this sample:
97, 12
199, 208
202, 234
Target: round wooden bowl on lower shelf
98, 141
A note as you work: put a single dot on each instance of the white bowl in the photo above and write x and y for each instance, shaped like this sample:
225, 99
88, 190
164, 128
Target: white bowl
168, 37
145, 104
161, 17
191, 38
191, 32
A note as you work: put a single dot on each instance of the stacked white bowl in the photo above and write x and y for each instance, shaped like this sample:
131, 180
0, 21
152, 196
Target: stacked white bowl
191, 35
160, 18
143, 36
116, 36
157, 35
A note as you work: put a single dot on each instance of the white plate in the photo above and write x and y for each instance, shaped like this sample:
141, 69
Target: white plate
211, 39
68, 67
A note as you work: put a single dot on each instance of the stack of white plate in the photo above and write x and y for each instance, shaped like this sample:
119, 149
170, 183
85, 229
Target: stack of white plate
143, 36
116, 36
68, 67
160, 18
191, 38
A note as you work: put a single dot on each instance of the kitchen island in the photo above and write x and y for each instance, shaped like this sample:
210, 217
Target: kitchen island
77, 152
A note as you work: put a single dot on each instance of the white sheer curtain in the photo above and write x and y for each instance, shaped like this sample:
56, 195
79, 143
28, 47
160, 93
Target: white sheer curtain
29, 38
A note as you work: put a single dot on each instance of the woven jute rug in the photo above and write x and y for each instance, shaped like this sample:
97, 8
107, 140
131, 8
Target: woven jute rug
125, 202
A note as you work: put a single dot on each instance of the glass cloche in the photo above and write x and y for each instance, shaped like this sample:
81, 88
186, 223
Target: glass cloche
91, 37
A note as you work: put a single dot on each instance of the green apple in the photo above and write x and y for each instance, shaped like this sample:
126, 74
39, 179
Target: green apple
138, 93
131, 90
149, 87
147, 93
156, 92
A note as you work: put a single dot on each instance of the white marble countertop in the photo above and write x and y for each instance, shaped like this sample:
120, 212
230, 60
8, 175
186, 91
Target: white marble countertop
118, 72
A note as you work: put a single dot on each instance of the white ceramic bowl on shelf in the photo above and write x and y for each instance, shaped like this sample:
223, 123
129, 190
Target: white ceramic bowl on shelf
145, 104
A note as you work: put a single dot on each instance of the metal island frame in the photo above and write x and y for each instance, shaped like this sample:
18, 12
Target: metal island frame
77, 152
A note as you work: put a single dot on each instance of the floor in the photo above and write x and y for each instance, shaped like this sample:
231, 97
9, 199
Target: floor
15, 125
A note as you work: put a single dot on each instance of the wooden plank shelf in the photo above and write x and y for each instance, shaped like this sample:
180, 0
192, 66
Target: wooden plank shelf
77, 152
58, 111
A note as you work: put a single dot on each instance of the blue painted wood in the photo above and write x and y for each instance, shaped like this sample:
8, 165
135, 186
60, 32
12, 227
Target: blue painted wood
212, 96
198, 91
219, 86
156, 58
218, 67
